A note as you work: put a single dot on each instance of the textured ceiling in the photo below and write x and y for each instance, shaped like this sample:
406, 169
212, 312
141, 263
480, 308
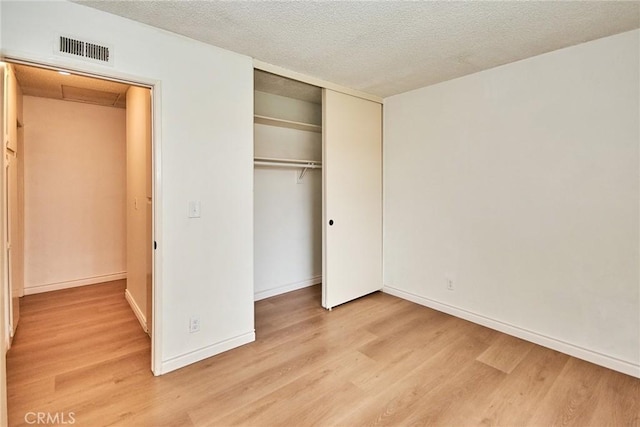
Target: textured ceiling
386, 47
51, 84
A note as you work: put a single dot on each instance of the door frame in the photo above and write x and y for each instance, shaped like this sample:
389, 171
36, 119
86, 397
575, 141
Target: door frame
155, 86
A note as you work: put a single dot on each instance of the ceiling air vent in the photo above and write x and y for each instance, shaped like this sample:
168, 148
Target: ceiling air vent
69, 46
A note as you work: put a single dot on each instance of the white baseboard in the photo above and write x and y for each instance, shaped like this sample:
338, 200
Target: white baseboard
283, 289
205, 352
616, 364
136, 310
74, 283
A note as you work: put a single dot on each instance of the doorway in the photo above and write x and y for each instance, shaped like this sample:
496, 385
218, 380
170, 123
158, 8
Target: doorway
86, 211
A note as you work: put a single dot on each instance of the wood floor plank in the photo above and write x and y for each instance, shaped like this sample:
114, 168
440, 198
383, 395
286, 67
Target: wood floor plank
506, 353
527, 385
393, 399
453, 402
618, 401
269, 377
113, 371
399, 364
295, 400
572, 398
378, 360
407, 332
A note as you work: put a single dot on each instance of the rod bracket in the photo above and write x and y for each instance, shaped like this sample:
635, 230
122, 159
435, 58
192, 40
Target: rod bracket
303, 172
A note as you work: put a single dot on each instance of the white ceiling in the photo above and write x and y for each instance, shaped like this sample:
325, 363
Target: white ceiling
385, 47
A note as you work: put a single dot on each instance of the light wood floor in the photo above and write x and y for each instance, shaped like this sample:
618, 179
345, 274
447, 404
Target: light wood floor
377, 360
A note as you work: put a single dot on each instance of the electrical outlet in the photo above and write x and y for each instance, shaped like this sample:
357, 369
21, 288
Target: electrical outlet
194, 324
451, 286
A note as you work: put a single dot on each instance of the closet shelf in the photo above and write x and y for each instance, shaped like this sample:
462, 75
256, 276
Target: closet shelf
272, 121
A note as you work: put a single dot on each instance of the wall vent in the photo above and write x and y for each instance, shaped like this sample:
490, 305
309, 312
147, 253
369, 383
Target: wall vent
70, 46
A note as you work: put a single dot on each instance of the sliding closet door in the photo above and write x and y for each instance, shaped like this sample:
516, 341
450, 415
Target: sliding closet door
352, 199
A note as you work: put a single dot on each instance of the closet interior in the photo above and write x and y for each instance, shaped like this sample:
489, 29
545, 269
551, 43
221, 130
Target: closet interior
78, 176
287, 185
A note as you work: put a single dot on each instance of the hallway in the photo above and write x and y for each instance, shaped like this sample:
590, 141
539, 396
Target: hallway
72, 349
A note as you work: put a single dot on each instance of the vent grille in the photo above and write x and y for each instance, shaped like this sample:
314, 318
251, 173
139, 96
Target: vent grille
74, 47
70, 46
94, 51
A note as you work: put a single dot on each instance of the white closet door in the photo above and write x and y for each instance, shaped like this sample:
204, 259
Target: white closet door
352, 197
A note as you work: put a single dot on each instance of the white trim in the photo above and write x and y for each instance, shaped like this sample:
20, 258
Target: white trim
194, 356
283, 289
156, 220
136, 310
616, 364
71, 65
48, 287
324, 202
274, 69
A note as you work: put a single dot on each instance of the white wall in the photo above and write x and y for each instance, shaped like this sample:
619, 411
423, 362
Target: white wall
287, 213
203, 106
522, 183
74, 193
288, 230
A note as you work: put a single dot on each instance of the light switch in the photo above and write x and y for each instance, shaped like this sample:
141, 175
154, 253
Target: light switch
194, 209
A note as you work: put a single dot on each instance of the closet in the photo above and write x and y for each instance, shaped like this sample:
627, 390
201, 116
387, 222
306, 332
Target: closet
287, 185
317, 190
78, 204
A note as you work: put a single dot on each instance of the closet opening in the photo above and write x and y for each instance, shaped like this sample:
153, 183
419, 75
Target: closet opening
287, 187
80, 219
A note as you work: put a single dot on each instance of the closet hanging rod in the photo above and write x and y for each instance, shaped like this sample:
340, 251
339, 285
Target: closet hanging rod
270, 161
297, 165
280, 160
